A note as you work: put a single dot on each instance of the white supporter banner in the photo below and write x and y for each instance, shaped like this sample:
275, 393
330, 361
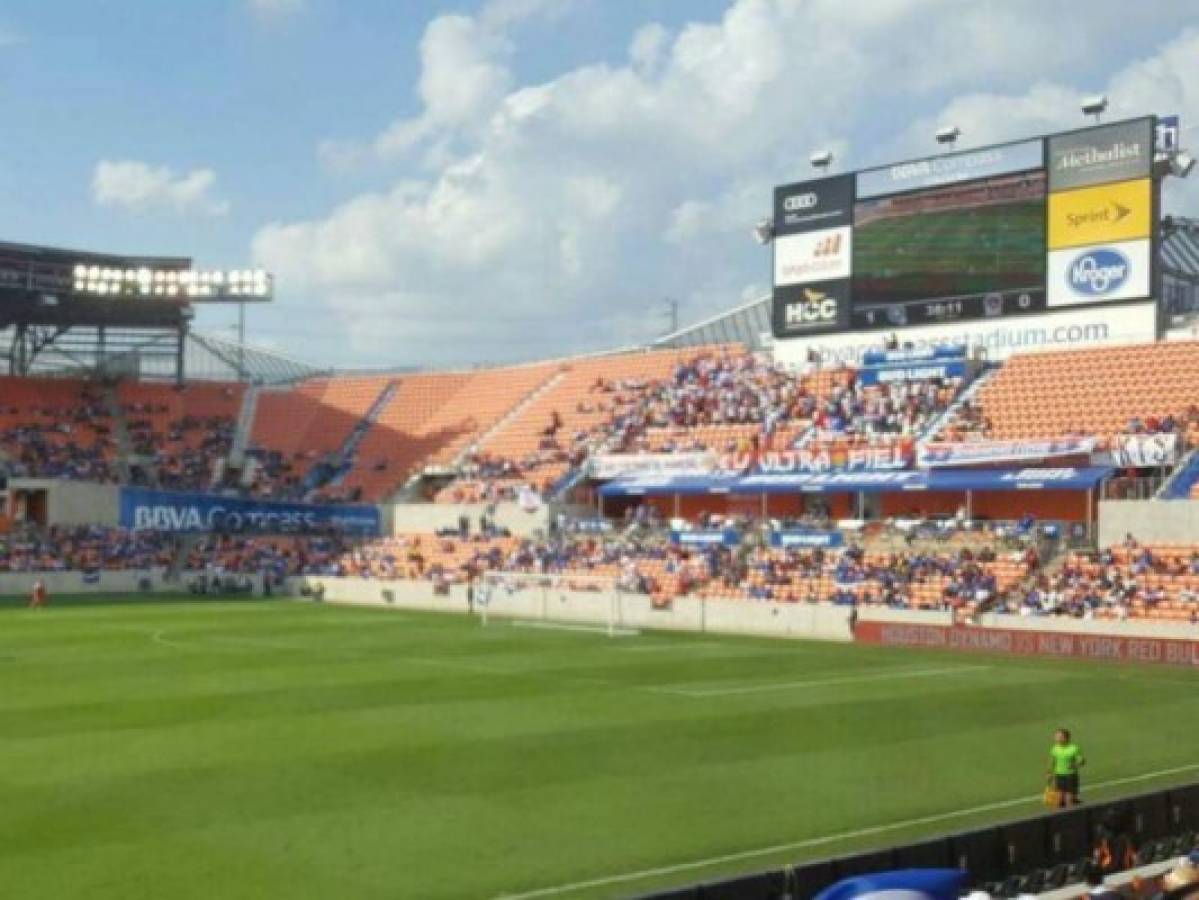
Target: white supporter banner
617, 465
1145, 450
971, 453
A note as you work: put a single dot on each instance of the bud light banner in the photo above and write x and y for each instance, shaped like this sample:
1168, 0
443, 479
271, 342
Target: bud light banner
913, 354
144, 509
805, 537
913, 372
726, 538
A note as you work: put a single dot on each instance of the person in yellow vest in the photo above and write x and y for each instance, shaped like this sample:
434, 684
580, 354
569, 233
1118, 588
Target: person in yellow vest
1065, 761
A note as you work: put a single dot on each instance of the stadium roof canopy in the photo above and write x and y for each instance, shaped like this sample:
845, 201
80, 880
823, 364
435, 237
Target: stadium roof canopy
207, 357
1180, 247
749, 323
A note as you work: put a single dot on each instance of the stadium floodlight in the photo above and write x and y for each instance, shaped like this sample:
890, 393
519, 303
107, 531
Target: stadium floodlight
948, 135
764, 232
216, 285
821, 160
1095, 105
1181, 164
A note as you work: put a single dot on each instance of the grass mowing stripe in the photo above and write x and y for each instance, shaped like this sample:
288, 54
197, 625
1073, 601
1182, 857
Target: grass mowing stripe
569, 626
816, 683
419, 755
809, 843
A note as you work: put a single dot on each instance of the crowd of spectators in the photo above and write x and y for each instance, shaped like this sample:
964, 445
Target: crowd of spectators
71, 441
722, 401
276, 475
279, 557
184, 455
714, 389
945, 580
85, 549
893, 409
306, 475
1118, 582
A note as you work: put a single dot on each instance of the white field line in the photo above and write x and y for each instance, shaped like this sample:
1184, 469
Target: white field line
566, 626
659, 646
460, 666
817, 683
677, 868
159, 637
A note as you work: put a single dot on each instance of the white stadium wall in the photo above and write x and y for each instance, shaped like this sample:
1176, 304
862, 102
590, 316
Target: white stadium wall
822, 621
1149, 521
999, 338
126, 582
406, 518
762, 618
74, 502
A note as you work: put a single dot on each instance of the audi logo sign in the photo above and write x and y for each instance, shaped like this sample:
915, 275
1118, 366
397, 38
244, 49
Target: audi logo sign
796, 202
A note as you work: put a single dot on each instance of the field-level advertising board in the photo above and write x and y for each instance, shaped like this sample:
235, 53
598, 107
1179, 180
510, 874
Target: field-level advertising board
967, 240
584, 603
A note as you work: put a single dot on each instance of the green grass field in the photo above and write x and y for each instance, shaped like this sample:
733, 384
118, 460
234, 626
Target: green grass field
275, 749
952, 251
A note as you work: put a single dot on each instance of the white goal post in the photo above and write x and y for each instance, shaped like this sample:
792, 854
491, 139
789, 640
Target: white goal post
567, 602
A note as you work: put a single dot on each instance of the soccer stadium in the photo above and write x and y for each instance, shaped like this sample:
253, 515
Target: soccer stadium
882, 581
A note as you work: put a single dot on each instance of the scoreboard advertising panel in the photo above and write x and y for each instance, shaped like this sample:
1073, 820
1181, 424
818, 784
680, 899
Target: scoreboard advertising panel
1013, 230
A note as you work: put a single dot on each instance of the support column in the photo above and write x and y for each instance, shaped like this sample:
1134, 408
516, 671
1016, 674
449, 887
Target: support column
180, 346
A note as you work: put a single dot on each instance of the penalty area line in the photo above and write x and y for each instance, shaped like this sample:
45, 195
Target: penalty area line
567, 626
809, 843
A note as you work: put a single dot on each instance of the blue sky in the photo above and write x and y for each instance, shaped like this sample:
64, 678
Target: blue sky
454, 183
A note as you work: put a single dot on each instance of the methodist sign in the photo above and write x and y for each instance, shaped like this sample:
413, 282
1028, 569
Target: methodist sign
1118, 152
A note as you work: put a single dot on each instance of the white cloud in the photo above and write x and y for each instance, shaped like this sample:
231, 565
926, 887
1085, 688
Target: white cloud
1166, 82
536, 216
140, 187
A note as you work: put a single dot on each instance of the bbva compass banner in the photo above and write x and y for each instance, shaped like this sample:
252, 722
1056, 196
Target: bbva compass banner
146, 509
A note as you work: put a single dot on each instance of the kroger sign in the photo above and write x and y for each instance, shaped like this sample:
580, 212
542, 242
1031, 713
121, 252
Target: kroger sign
1098, 272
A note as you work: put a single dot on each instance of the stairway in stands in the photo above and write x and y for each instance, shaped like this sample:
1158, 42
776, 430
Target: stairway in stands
126, 457
245, 423
1181, 484
937, 425
343, 462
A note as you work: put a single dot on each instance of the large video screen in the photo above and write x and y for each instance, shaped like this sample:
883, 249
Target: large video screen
955, 252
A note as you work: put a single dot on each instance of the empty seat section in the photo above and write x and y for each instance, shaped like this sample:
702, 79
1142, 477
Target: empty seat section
1097, 392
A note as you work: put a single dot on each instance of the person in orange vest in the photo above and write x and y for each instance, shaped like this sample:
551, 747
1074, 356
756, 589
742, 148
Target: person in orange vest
38, 596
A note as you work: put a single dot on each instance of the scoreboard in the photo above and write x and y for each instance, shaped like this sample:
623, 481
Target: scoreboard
1011, 230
